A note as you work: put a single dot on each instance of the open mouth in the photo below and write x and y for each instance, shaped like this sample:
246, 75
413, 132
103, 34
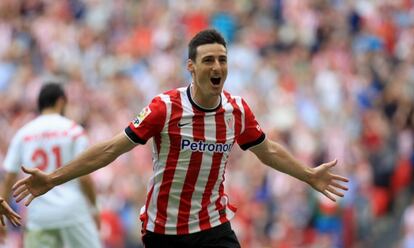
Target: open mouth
215, 81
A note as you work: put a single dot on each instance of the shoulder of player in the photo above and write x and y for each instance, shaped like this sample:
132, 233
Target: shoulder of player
228, 97
169, 96
29, 126
65, 124
173, 93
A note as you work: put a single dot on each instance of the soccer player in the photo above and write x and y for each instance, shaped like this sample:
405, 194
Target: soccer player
194, 129
63, 216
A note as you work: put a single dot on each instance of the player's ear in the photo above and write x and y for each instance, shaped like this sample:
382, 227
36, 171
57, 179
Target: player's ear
61, 105
61, 101
190, 65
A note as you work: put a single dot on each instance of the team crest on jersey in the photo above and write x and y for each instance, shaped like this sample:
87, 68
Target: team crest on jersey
141, 116
230, 123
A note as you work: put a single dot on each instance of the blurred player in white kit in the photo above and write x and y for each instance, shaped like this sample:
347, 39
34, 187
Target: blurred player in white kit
66, 216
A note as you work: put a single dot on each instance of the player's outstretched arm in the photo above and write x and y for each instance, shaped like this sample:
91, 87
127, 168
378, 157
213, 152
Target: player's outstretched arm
94, 158
7, 211
320, 178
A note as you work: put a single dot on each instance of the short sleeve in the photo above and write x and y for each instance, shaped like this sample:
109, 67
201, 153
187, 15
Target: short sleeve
13, 161
149, 122
81, 141
252, 134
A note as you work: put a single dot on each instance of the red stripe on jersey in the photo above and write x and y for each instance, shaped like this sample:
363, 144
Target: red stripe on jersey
214, 171
171, 163
192, 174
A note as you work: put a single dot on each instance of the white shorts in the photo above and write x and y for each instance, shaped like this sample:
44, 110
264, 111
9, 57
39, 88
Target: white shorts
82, 235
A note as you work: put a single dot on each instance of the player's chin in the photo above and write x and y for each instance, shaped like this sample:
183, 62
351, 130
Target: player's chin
217, 89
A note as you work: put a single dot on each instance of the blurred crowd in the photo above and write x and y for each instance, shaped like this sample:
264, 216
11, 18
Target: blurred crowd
326, 78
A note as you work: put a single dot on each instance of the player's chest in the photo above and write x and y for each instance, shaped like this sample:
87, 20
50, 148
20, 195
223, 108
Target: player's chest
212, 127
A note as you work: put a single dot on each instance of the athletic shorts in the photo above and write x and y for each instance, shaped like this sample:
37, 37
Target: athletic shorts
221, 236
82, 235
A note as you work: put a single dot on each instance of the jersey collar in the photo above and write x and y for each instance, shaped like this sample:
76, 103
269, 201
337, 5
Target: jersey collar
198, 106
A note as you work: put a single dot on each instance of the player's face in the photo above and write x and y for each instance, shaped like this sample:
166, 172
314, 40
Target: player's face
209, 70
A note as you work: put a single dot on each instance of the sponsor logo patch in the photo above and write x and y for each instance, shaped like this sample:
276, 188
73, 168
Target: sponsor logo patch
141, 116
201, 146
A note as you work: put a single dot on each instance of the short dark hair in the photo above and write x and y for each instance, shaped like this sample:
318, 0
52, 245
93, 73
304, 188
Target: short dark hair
208, 36
49, 94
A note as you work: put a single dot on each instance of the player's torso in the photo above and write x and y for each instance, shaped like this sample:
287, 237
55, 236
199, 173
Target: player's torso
194, 144
190, 156
47, 143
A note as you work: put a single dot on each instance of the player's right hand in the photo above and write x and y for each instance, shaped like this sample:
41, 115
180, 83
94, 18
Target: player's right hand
32, 186
6, 210
14, 218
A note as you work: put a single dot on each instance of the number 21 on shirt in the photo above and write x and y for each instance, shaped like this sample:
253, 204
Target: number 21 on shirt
42, 160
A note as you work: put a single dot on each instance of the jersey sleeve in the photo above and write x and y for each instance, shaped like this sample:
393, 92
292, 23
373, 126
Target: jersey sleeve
13, 161
252, 134
81, 141
149, 122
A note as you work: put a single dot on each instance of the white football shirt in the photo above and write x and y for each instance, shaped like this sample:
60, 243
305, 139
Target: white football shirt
49, 142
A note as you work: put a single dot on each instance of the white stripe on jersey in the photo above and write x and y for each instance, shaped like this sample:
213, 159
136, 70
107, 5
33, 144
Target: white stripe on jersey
240, 104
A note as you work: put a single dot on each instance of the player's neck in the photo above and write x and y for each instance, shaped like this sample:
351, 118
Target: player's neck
50, 111
204, 102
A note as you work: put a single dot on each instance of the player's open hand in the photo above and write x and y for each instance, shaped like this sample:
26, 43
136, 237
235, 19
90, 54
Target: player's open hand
6, 210
327, 183
32, 186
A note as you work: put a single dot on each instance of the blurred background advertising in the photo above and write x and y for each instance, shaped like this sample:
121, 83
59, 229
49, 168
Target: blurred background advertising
327, 78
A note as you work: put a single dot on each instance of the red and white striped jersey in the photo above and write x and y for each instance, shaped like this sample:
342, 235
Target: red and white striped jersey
190, 151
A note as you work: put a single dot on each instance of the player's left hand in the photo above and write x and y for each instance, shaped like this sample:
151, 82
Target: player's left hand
327, 183
33, 186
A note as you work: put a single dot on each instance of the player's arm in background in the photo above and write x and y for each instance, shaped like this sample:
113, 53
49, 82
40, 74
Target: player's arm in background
92, 159
5, 209
88, 189
11, 168
320, 178
81, 143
